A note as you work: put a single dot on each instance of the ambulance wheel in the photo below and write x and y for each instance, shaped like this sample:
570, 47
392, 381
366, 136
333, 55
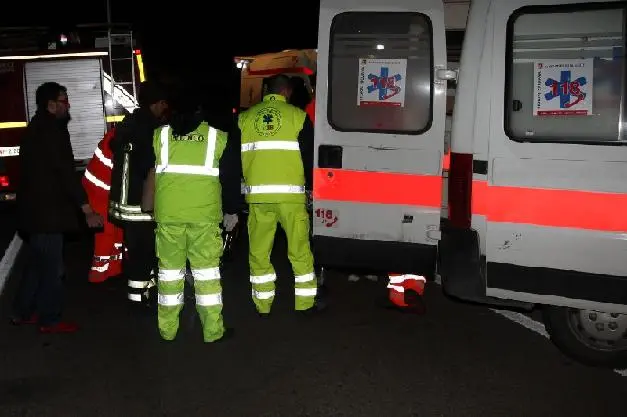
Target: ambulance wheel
591, 337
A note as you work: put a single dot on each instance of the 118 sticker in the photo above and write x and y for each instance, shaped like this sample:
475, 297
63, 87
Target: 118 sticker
326, 217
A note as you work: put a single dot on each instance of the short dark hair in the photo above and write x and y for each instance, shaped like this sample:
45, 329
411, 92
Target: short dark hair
187, 100
49, 91
277, 83
151, 92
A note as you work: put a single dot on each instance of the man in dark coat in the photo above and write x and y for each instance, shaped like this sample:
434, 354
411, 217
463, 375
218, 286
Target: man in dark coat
50, 199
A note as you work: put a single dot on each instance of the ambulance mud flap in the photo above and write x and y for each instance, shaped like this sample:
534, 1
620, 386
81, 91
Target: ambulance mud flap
462, 269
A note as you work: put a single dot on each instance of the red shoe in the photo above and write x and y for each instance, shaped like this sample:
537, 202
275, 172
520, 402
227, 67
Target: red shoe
60, 327
31, 320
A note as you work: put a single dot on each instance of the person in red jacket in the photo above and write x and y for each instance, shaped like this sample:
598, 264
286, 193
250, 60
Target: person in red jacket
310, 109
108, 248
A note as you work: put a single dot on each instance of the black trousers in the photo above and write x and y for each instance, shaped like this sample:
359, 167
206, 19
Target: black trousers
41, 286
141, 259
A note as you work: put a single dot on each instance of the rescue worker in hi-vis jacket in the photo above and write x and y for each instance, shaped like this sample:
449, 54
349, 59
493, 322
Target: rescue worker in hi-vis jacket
196, 180
133, 158
277, 163
108, 247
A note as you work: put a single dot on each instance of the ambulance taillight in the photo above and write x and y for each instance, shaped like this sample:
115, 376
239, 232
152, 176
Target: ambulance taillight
459, 190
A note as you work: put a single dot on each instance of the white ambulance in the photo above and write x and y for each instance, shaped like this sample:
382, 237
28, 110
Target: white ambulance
537, 187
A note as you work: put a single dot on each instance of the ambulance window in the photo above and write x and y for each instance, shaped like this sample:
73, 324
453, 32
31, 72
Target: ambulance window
380, 71
565, 77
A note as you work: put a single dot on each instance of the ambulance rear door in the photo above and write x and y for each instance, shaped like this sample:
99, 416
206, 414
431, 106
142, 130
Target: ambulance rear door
379, 134
555, 188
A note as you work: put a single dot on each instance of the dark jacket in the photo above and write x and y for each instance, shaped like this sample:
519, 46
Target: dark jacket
230, 163
133, 135
306, 143
50, 194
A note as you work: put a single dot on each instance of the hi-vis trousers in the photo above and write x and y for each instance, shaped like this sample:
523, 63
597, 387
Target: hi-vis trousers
202, 245
262, 223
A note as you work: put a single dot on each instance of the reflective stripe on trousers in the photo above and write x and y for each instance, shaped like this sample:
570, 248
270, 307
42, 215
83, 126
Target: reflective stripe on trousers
139, 291
262, 223
201, 244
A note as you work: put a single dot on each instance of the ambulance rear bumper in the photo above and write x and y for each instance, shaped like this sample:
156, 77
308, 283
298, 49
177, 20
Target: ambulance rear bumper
375, 256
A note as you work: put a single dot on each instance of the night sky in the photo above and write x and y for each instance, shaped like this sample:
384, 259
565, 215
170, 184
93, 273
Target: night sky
186, 33
193, 41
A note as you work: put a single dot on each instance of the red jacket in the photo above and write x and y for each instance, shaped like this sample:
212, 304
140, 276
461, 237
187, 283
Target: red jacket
97, 177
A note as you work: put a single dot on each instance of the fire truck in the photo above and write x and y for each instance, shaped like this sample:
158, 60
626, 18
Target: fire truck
536, 191
101, 66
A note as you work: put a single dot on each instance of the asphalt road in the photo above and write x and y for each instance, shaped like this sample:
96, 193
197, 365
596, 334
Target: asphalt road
352, 360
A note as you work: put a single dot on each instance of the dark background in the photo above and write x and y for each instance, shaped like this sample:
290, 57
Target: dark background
185, 41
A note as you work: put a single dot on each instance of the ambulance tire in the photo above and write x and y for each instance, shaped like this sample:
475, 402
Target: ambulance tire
559, 325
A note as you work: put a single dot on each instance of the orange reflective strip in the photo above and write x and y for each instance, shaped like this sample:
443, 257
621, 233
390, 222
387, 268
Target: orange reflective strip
446, 161
377, 187
556, 208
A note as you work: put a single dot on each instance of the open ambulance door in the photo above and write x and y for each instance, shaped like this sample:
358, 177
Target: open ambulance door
379, 134
552, 187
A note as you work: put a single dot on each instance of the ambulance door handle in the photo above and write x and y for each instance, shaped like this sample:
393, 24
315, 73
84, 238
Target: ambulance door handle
517, 105
329, 156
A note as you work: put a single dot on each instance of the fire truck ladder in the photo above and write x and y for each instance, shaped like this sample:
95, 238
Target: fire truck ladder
121, 47
125, 38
